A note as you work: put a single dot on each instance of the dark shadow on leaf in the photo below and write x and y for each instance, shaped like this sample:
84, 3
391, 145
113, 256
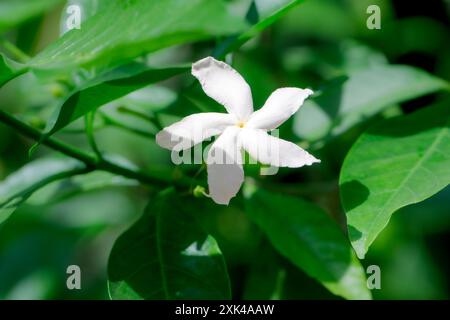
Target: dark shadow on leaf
355, 194
353, 233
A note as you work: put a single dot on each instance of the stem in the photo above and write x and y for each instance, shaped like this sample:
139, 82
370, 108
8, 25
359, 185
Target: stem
153, 120
59, 176
15, 51
113, 122
90, 160
89, 127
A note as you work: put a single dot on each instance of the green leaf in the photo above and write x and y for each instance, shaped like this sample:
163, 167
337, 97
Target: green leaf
165, 255
61, 190
88, 8
111, 86
128, 29
20, 185
15, 12
401, 161
346, 101
310, 239
268, 15
9, 69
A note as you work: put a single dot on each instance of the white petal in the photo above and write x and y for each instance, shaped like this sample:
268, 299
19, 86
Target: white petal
222, 83
274, 151
280, 106
193, 129
224, 165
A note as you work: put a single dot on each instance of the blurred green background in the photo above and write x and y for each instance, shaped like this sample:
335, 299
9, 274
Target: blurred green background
316, 41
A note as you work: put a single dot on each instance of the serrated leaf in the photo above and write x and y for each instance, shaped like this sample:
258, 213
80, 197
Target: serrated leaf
165, 255
309, 238
347, 101
396, 163
20, 185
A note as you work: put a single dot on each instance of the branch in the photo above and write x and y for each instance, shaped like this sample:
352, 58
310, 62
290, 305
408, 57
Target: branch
161, 179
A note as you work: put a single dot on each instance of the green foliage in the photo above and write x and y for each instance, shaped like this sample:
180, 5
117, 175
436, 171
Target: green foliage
20, 185
349, 100
165, 255
128, 29
378, 121
107, 88
398, 162
13, 13
308, 237
9, 69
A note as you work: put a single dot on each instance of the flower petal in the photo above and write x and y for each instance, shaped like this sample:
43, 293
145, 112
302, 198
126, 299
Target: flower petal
273, 151
279, 107
225, 85
224, 165
193, 129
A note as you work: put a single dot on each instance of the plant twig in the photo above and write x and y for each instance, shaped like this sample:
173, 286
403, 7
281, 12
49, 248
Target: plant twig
108, 120
153, 120
89, 127
91, 161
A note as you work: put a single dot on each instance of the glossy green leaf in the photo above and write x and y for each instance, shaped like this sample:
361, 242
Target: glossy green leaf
347, 101
401, 161
310, 239
104, 89
20, 185
15, 12
9, 69
165, 255
128, 29
88, 8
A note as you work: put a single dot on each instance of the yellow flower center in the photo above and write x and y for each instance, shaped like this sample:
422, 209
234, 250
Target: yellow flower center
241, 124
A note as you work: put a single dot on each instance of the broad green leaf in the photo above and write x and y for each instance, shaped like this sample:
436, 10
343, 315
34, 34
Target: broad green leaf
15, 12
87, 8
128, 29
20, 185
346, 101
9, 69
310, 239
266, 13
111, 86
165, 255
401, 161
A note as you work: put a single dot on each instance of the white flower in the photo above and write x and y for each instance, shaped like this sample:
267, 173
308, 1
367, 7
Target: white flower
240, 128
